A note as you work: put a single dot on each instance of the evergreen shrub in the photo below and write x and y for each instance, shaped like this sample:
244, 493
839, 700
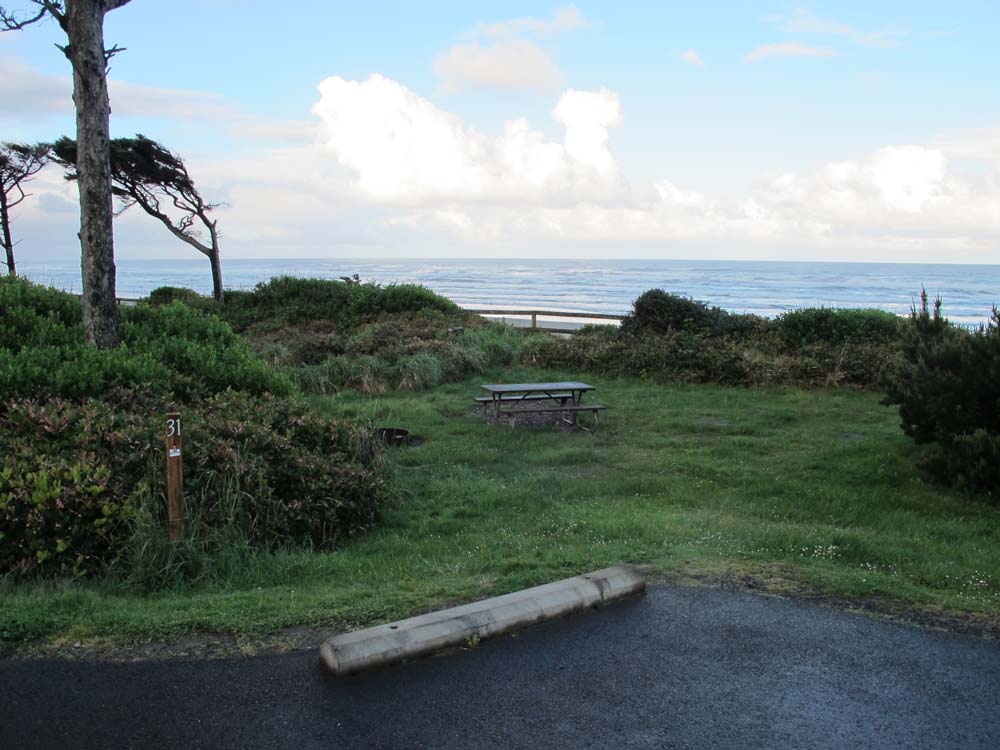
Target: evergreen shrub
287, 300
659, 312
824, 325
171, 348
948, 391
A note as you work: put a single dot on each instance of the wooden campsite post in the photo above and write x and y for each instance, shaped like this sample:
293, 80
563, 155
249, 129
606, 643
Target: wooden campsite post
175, 478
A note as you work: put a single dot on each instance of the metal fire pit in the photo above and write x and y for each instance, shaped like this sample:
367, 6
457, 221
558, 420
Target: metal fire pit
393, 435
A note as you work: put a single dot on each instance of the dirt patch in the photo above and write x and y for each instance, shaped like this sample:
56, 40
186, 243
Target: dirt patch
198, 646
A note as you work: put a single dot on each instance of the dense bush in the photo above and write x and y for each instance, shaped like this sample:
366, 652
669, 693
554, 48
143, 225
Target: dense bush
675, 338
406, 351
170, 348
331, 335
74, 477
948, 391
164, 295
660, 312
69, 478
824, 325
32, 315
287, 300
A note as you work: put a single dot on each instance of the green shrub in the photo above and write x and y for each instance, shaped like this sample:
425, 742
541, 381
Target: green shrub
74, 479
314, 480
69, 476
32, 315
201, 352
691, 356
288, 300
659, 312
824, 325
169, 348
948, 391
164, 295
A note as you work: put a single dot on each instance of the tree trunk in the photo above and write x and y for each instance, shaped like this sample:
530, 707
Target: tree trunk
8, 243
216, 261
84, 25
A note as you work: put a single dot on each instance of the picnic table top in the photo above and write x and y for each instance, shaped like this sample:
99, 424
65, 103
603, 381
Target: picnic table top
533, 387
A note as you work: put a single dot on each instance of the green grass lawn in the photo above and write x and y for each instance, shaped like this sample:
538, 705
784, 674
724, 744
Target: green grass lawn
819, 486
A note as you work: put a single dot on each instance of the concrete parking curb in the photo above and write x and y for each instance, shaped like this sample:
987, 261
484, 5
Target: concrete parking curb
417, 636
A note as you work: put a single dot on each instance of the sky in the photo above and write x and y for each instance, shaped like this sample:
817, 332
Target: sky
836, 131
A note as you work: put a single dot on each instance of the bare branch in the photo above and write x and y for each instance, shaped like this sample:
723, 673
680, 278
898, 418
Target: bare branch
109, 53
55, 9
10, 203
10, 22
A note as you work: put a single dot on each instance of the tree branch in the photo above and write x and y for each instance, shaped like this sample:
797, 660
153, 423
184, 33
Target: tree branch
10, 21
17, 186
109, 53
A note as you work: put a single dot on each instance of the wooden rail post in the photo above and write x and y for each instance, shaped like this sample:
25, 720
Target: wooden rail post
175, 478
534, 320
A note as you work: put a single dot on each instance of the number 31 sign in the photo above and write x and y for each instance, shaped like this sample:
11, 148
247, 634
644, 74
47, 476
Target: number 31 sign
175, 478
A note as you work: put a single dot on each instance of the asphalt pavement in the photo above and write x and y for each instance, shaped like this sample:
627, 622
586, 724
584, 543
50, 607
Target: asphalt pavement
677, 668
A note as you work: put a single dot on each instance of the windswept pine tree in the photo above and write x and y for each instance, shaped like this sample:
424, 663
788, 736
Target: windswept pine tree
145, 173
19, 162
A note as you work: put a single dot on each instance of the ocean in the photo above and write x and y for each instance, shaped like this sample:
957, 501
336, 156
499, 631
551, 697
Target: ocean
766, 288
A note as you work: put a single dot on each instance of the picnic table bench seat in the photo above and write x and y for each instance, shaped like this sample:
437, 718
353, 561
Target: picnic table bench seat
543, 409
564, 397
563, 411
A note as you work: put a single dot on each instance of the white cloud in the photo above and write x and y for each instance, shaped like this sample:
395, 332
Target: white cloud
692, 57
499, 55
976, 144
518, 189
587, 117
394, 174
787, 49
568, 18
507, 64
27, 94
402, 148
804, 22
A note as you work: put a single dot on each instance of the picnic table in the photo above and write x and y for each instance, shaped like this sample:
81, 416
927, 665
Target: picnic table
536, 398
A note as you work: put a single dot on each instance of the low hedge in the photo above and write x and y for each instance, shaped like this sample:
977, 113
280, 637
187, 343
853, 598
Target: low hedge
824, 325
288, 300
171, 348
74, 476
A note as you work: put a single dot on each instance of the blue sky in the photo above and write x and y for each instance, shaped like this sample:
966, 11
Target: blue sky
833, 131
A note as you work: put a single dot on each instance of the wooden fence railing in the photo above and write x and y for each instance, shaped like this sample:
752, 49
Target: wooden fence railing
535, 314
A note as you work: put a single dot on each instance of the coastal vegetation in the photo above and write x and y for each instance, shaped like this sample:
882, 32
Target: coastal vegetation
81, 451
736, 446
948, 392
797, 490
667, 337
